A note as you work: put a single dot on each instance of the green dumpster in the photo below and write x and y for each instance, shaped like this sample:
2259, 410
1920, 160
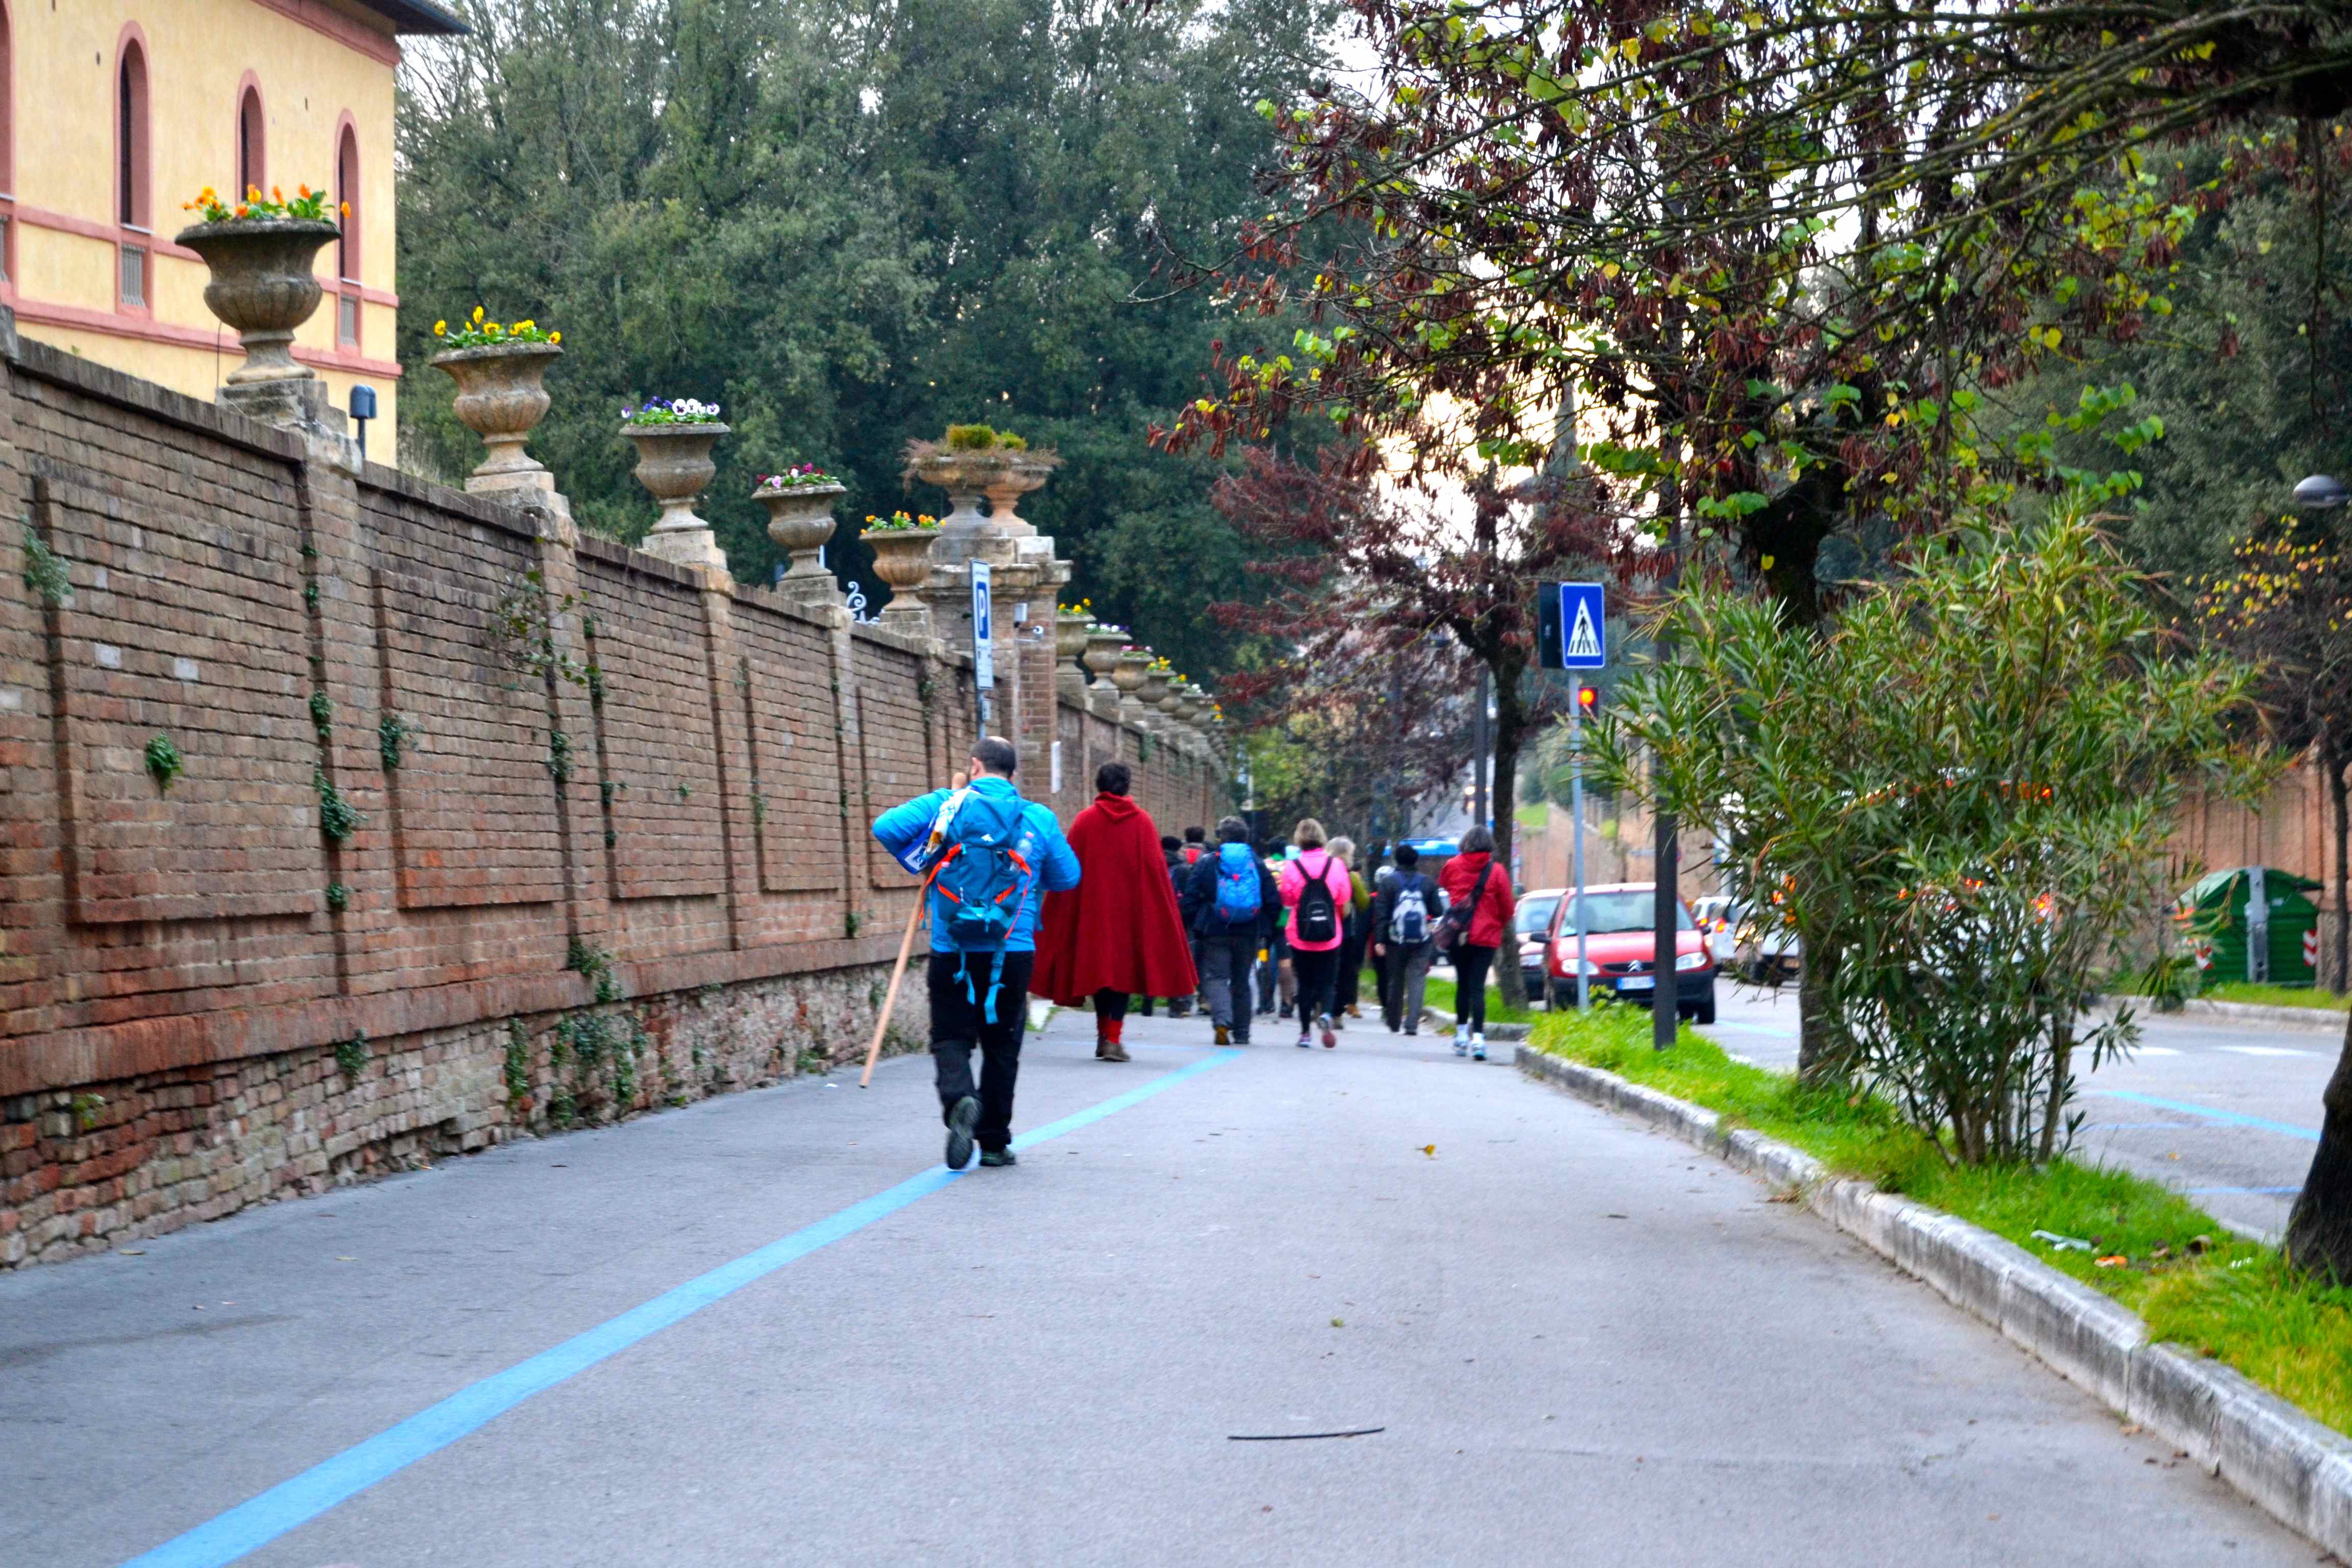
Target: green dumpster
2251, 923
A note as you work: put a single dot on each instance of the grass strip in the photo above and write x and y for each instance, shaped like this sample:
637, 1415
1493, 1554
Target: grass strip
1440, 994
2195, 1282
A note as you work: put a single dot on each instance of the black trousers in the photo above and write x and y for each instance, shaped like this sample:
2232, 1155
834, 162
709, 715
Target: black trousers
960, 1023
1316, 972
1348, 983
1111, 1007
1470, 966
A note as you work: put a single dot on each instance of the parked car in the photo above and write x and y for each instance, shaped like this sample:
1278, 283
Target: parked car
1621, 950
1714, 912
1537, 907
1764, 947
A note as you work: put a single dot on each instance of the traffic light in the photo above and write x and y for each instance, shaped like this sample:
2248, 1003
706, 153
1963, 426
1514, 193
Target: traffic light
1586, 698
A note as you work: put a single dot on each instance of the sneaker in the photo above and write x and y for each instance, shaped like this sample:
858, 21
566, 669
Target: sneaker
1461, 1043
1325, 1021
1302, 1042
1478, 1048
963, 1116
1225, 1035
999, 1157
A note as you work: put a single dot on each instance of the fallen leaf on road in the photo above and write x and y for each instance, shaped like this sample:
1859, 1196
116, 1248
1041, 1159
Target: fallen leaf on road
1430, 1149
1339, 1323
132, 1251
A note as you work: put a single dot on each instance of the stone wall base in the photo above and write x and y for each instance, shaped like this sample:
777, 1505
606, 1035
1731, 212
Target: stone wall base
84, 1170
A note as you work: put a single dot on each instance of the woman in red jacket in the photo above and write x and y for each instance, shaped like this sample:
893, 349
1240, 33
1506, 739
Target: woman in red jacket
1480, 890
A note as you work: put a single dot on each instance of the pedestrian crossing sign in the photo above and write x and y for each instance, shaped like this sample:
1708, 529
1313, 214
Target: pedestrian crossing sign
1572, 626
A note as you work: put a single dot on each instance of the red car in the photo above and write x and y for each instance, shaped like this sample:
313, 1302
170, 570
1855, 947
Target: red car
1621, 951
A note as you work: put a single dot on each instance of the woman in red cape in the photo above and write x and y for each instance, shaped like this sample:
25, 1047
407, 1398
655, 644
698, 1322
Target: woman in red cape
1117, 933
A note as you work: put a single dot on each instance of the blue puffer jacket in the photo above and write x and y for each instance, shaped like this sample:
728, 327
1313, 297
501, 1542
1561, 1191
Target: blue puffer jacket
1054, 867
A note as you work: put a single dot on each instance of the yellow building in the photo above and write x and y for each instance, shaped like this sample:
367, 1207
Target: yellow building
114, 112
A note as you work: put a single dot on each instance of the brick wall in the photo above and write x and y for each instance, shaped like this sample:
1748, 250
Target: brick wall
607, 847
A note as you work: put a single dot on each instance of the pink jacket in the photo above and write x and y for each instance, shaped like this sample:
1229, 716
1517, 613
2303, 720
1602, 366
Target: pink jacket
1294, 882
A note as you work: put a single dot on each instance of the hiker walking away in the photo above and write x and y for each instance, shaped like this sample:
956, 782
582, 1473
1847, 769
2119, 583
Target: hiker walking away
1316, 889
1172, 850
1355, 922
1230, 899
1273, 962
1384, 877
1118, 934
1196, 845
1404, 938
986, 854
1477, 919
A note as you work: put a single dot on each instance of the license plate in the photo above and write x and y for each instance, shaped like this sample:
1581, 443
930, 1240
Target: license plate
1637, 983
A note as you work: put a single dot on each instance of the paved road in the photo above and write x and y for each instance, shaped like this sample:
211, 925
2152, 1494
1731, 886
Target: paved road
2225, 1112
1584, 1343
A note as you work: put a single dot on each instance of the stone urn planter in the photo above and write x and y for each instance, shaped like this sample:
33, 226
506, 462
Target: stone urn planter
965, 476
1154, 691
262, 286
500, 399
673, 464
1070, 629
800, 520
902, 558
1133, 668
1104, 644
1015, 477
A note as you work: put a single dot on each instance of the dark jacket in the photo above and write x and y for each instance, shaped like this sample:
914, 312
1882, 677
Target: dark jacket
1197, 893
1384, 902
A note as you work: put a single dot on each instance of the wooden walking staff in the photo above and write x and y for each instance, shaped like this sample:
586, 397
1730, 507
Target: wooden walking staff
906, 949
931, 846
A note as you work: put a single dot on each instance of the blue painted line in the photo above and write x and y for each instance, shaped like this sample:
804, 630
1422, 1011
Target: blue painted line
2201, 1192
2310, 1134
255, 1522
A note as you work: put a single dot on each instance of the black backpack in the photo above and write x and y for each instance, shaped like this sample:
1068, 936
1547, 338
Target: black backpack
1318, 917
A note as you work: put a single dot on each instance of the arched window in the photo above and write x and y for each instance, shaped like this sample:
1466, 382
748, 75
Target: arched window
347, 248
347, 202
252, 172
130, 169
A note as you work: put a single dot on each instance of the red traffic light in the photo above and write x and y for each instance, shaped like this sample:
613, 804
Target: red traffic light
1588, 697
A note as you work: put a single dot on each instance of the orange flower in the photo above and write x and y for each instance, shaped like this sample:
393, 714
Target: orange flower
276, 194
347, 209
240, 209
302, 190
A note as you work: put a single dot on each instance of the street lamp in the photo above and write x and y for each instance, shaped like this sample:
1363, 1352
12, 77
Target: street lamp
2321, 492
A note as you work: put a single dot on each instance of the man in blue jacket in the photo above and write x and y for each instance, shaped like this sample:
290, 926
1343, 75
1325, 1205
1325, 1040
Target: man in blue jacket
980, 989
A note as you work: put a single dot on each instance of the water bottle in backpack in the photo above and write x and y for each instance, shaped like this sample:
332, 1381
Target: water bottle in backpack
1238, 895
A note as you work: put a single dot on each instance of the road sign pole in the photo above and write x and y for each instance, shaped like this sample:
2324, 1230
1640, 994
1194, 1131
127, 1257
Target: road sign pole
1576, 833
1573, 634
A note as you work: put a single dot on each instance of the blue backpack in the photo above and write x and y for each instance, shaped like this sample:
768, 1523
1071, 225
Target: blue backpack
980, 875
1237, 884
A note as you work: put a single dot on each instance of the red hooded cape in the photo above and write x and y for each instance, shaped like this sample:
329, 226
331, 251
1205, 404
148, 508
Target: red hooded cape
1118, 930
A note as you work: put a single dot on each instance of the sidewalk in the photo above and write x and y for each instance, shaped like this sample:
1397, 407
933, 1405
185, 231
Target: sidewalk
1584, 1343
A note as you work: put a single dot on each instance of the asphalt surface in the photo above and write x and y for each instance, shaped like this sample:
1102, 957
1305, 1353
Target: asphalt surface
2226, 1112
1582, 1343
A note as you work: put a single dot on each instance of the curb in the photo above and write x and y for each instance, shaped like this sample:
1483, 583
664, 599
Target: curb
2293, 1467
2320, 1018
